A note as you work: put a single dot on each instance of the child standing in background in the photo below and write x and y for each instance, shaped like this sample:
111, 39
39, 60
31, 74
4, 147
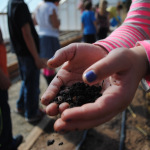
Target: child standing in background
81, 5
114, 14
48, 32
102, 18
88, 23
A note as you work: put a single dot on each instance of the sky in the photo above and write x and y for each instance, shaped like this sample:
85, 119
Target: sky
33, 3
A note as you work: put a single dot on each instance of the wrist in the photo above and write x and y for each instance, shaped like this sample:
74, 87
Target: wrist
141, 60
102, 48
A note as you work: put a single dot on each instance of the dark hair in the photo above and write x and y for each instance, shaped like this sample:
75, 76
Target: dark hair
52, 1
87, 5
119, 6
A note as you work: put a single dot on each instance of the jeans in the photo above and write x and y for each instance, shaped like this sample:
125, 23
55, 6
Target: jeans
29, 92
5, 122
48, 46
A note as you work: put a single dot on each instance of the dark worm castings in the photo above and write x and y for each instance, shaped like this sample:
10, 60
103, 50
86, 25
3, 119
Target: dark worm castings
78, 94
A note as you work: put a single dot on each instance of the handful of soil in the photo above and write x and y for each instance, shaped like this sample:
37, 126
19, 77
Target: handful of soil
78, 94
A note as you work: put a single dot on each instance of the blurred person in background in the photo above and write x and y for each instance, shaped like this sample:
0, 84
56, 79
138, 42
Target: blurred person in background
88, 23
102, 19
7, 141
25, 42
81, 5
46, 17
128, 3
114, 14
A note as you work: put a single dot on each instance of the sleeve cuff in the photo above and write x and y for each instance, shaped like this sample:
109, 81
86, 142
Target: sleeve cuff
146, 81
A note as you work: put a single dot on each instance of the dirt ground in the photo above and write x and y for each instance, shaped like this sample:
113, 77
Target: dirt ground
106, 136
20, 126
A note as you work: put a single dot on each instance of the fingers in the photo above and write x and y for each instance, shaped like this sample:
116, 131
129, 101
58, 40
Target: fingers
62, 126
52, 90
53, 109
93, 114
63, 106
115, 98
80, 51
63, 78
62, 55
116, 61
107, 104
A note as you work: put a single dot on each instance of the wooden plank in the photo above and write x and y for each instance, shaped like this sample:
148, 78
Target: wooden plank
65, 32
76, 39
12, 67
34, 134
13, 70
70, 34
70, 141
14, 74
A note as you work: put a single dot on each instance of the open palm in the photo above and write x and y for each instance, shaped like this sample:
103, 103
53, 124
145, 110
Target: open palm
119, 66
75, 59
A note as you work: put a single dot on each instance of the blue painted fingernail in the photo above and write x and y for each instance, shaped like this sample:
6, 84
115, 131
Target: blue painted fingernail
90, 76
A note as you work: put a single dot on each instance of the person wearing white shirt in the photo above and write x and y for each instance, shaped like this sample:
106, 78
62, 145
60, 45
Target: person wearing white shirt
46, 17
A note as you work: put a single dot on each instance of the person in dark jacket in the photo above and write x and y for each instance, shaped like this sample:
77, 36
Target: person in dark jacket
25, 42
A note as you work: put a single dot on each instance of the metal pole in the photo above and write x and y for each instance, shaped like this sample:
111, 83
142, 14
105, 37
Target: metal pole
122, 135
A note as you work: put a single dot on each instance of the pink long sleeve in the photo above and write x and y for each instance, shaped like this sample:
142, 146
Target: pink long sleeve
145, 82
136, 27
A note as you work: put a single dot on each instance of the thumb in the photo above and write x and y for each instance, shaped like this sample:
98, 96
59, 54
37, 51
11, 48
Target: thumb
62, 55
115, 62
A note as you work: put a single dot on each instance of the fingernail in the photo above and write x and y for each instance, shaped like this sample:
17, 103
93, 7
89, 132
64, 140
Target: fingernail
90, 76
